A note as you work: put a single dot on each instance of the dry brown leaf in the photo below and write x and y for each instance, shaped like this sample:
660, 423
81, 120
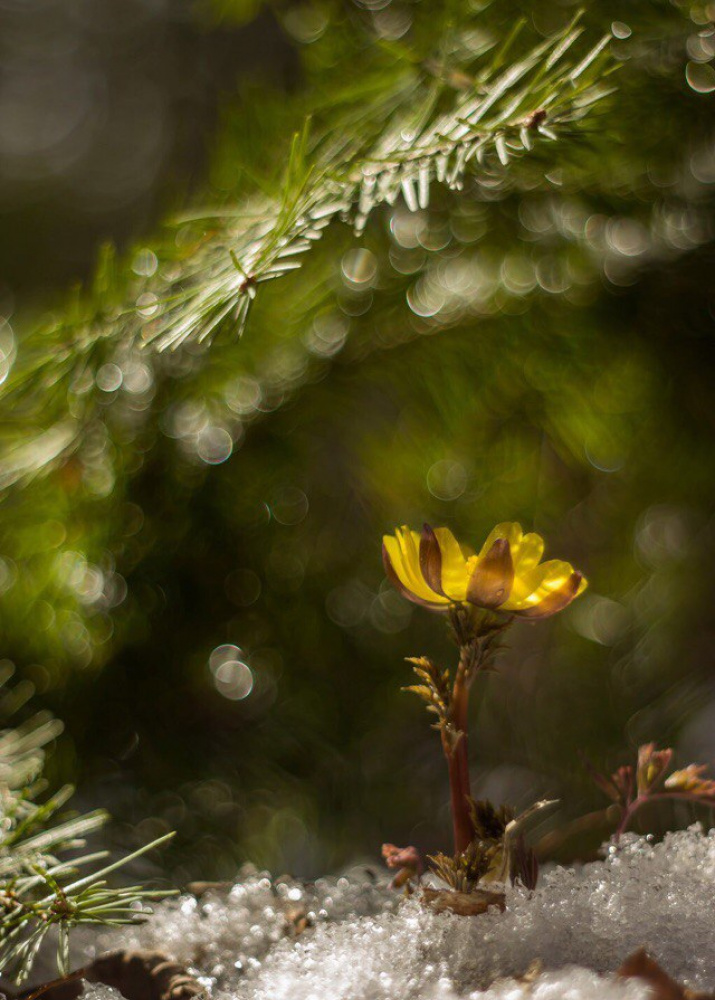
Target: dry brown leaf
138, 975
200, 889
640, 965
297, 920
526, 980
466, 904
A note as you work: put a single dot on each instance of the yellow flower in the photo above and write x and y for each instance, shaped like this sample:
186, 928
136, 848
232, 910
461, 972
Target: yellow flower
507, 575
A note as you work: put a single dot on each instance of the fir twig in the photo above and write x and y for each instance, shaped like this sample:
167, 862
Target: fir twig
502, 116
39, 889
386, 142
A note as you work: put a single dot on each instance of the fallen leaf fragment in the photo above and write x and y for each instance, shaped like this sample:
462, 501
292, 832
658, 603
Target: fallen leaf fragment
466, 904
297, 920
200, 889
138, 975
526, 980
640, 965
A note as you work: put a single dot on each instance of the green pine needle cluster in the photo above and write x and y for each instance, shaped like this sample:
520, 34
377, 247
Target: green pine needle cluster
463, 104
43, 887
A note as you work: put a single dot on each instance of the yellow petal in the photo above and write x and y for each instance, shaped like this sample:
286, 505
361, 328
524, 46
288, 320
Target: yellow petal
553, 578
557, 600
454, 565
404, 555
527, 553
535, 584
511, 530
400, 587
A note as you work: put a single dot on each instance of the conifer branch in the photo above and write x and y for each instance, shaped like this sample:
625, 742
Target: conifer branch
502, 115
39, 889
439, 120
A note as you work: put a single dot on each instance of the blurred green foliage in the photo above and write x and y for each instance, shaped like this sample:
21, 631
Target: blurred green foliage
195, 584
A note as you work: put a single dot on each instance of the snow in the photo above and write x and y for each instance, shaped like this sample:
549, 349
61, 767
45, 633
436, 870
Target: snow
571, 983
99, 991
365, 942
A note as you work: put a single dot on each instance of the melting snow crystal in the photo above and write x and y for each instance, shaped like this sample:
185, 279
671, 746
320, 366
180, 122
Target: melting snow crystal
99, 991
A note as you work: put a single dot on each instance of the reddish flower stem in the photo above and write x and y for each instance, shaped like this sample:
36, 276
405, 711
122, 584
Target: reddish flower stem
458, 757
460, 816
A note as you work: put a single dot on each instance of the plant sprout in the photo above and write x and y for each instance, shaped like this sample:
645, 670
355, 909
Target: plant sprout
632, 788
481, 594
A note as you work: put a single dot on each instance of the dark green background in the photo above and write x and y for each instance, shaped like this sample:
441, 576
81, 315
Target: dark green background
575, 395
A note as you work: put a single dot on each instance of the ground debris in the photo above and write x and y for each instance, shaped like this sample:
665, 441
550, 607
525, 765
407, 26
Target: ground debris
640, 965
351, 937
466, 904
136, 975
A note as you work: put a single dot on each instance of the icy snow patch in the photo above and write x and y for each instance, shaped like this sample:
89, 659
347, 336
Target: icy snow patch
368, 944
566, 984
99, 991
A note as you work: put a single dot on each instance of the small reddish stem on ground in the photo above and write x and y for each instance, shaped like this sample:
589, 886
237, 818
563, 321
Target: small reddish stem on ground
630, 810
625, 819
